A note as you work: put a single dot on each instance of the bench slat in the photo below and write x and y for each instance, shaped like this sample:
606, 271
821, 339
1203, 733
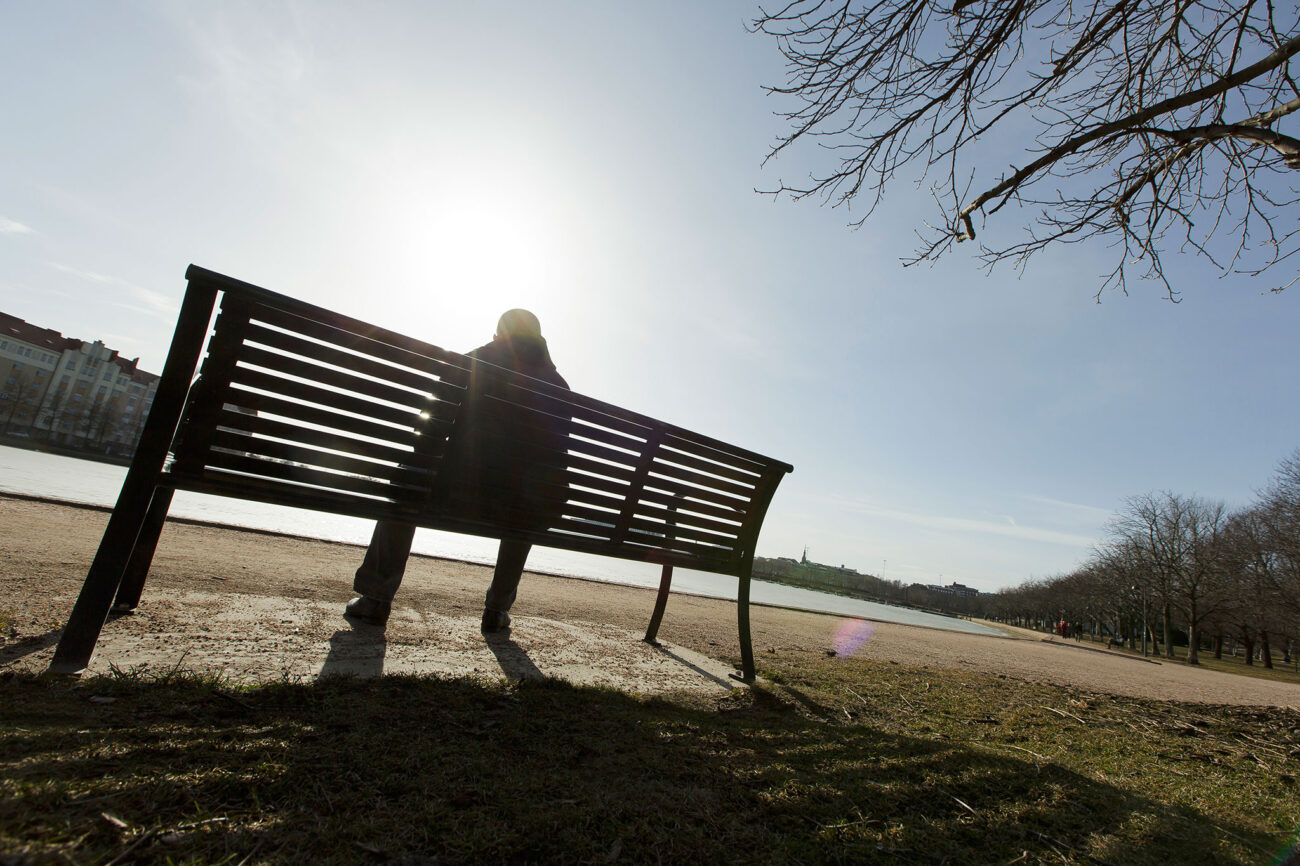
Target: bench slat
660, 468
265, 404
746, 477
405, 484
362, 338
304, 480
292, 390
293, 345
654, 496
259, 426
300, 449
657, 511
328, 377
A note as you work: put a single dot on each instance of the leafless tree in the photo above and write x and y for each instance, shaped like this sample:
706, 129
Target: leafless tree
1128, 576
1256, 608
1150, 124
1177, 538
18, 399
1279, 516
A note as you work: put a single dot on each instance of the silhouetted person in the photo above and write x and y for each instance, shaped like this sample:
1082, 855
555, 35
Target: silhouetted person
481, 478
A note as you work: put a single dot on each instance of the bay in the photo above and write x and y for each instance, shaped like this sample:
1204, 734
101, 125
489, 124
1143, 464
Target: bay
54, 476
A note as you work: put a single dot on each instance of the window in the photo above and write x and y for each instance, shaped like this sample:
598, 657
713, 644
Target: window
102, 390
4, 344
18, 365
72, 364
65, 380
40, 374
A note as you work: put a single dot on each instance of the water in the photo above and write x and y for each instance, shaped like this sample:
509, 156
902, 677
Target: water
39, 474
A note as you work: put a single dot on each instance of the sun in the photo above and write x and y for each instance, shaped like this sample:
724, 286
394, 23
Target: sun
455, 259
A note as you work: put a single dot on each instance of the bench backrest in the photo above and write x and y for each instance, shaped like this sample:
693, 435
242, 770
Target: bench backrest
300, 406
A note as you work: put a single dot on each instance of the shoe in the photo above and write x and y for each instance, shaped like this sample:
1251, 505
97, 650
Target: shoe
495, 620
368, 610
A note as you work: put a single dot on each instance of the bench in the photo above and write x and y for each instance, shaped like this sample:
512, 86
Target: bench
300, 406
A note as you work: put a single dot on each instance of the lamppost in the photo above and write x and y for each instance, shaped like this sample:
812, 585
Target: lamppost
1144, 622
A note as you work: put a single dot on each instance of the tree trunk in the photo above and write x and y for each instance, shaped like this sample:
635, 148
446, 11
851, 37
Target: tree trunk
1193, 637
1248, 643
1218, 646
1264, 651
1168, 630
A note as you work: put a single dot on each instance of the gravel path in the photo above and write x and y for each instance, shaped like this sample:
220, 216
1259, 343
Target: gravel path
256, 605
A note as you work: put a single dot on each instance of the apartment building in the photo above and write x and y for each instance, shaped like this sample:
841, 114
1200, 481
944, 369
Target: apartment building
70, 392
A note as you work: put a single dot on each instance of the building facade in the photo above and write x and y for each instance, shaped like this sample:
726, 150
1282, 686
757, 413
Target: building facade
69, 392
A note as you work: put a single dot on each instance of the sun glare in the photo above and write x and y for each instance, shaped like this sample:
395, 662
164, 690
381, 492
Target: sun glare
458, 258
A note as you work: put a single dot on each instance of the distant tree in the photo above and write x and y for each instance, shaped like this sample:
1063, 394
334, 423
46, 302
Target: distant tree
106, 419
18, 399
1279, 516
1152, 124
1124, 569
1178, 540
1254, 608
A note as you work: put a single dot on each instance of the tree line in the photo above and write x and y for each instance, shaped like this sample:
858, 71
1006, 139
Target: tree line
1177, 569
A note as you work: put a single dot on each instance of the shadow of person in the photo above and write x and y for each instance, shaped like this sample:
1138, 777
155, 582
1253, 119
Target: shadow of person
356, 652
515, 663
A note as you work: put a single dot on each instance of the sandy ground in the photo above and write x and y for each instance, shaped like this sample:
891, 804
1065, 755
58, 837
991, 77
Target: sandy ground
257, 606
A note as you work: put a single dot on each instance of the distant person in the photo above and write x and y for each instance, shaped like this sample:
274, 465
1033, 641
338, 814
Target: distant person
479, 480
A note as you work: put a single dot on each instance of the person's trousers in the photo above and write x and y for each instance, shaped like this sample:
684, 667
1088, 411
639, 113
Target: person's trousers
384, 565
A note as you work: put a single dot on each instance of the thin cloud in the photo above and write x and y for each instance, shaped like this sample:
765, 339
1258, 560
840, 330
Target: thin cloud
966, 524
13, 227
140, 299
1086, 512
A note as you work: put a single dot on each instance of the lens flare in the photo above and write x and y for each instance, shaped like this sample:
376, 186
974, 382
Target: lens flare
851, 635
1290, 855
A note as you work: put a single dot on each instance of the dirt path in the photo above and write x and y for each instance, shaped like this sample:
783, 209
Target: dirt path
255, 605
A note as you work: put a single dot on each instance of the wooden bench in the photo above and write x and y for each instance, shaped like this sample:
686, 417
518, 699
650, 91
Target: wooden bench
296, 405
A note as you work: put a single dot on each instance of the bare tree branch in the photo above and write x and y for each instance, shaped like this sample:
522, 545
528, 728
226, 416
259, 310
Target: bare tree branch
1142, 117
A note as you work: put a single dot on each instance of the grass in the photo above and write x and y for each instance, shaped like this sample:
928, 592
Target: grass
1282, 672
833, 761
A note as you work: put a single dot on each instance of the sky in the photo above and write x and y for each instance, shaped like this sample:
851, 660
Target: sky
426, 165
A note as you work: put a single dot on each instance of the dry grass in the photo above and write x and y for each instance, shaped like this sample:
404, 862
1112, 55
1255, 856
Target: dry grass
1282, 672
835, 761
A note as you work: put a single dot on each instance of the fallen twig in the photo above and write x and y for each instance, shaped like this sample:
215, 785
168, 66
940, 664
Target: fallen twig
1064, 713
967, 806
1019, 749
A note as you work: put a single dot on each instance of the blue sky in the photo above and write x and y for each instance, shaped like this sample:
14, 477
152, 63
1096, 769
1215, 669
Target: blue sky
425, 166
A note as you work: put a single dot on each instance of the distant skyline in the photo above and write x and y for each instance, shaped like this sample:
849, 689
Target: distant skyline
425, 166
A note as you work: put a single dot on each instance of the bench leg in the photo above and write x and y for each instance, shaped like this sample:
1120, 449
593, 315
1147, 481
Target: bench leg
77, 644
665, 581
137, 569
742, 622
